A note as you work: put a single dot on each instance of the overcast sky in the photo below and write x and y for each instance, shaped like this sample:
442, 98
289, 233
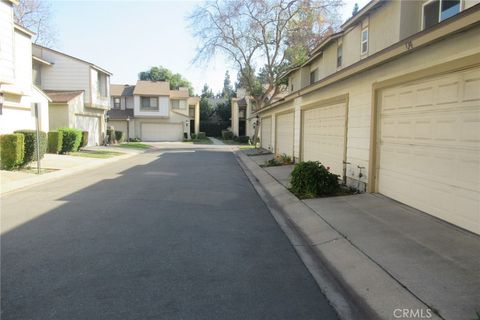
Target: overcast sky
126, 37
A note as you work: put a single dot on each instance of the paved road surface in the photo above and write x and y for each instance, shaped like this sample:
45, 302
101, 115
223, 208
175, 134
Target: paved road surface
178, 235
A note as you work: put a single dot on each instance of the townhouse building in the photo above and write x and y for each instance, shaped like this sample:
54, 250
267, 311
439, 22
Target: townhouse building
391, 103
151, 111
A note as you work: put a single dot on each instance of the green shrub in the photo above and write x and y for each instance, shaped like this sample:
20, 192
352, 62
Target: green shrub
311, 179
201, 135
135, 140
30, 142
243, 139
11, 150
110, 136
285, 159
119, 136
84, 140
193, 136
71, 139
55, 140
227, 135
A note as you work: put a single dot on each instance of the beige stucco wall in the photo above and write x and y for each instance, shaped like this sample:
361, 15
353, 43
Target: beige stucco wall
359, 90
58, 116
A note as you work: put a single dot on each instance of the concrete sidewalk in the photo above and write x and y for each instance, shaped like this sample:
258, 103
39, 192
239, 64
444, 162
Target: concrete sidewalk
61, 166
389, 256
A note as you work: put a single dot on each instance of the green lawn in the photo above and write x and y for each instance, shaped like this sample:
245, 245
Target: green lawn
102, 154
199, 141
135, 145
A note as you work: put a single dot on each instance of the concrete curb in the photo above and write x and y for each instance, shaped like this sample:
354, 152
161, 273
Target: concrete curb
356, 286
52, 176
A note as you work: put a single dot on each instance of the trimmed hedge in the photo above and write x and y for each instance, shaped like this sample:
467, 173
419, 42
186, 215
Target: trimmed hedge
71, 139
55, 140
11, 150
30, 141
227, 135
311, 179
84, 140
201, 135
119, 136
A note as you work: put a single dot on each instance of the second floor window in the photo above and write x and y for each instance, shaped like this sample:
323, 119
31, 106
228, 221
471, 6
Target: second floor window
339, 56
116, 102
149, 103
313, 76
364, 45
191, 111
179, 104
438, 10
101, 84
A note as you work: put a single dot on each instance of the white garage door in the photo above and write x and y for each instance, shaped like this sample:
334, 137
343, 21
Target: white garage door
92, 125
429, 146
284, 134
162, 131
266, 133
324, 136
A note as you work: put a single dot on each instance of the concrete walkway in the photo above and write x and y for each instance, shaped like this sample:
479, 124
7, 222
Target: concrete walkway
389, 255
216, 141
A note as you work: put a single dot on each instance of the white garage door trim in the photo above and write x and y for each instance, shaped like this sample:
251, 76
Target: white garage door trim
90, 124
324, 135
266, 133
151, 131
428, 146
284, 133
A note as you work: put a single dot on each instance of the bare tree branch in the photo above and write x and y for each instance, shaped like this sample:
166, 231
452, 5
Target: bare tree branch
36, 15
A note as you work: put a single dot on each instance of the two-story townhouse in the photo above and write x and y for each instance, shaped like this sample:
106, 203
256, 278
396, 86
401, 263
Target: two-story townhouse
151, 111
242, 123
391, 103
18, 95
79, 90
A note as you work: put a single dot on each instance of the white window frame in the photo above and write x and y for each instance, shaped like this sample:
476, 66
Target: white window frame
119, 102
339, 48
364, 41
150, 108
461, 5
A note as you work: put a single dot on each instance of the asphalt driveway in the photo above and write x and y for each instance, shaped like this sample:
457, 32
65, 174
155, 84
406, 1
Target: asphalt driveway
175, 235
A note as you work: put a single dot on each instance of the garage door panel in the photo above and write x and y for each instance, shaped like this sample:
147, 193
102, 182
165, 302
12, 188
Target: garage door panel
266, 133
285, 132
324, 136
429, 147
162, 131
92, 125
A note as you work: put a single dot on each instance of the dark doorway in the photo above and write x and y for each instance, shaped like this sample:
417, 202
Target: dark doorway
242, 128
192, 126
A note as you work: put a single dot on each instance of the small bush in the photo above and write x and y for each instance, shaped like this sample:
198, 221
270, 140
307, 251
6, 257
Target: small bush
135, 140
111, 136
119, 136
227, 135
201, 135
30, 141
11, 150
285, 159
193, 136
71, 139
243, 139
55, 140
311, 179
84, 140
